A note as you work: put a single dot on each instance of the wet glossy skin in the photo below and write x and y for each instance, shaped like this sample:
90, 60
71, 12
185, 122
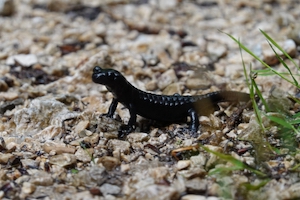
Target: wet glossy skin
174, 108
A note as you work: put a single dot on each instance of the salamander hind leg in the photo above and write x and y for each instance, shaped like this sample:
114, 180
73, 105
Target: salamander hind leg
194, 123
124, 130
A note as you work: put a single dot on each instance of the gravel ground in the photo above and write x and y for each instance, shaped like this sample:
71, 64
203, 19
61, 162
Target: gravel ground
54, 143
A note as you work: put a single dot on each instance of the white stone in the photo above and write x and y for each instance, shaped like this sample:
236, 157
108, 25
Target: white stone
25, 60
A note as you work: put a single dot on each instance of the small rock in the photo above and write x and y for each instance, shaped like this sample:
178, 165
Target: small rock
58, 148
94, 139
154, 192
196, 185
87, 36
109, 162
107, 188
95, 191
166, 79
61, 6
125, 168
297, 157
219, 70
172, 89
29, 163
216, 50
294, 33
9, 96
150, 59
51, 49
49, 133
25, 60
137, 137
290, 47
40, 178
97, 173
198, 197
293, 191
63, 160
85, 195
3, 86
251, 4
182, 164
198, 160
82, 125
285, 19
122, 146
159, 173
213, 159
10, 105
233, 71
3, 55
7, 7
5, 157
2, 144
28, 188
167, 5
109, 126
194, 172
28, 120
151, 85
84, 155
11, 147
196, 84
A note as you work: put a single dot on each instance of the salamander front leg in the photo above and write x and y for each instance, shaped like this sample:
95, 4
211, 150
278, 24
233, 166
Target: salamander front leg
128, 128
112, 108
194, 123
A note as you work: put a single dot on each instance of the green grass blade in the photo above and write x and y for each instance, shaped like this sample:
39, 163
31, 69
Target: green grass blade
237, 163
223, 170
256, 187
282, 122
276, 45
268, 72
297, 114
295, 167
259, 94
296, 121
254, 104
284, 64
256, 57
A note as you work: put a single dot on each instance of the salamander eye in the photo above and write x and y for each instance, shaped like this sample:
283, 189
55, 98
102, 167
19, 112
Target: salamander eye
97, 69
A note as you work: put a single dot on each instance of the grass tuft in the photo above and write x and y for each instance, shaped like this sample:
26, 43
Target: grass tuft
269, 112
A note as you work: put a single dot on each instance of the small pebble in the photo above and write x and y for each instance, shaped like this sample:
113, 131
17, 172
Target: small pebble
84, 155
216, 50
109, 189
122, 146
28, 188
25, 60
63, 160
109, 162
198, 197
182, 164
166, 79
7, 7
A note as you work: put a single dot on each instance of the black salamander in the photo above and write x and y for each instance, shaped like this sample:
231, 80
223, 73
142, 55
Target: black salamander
165, 108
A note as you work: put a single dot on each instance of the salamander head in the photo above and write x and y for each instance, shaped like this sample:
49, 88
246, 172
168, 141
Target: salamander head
107, 77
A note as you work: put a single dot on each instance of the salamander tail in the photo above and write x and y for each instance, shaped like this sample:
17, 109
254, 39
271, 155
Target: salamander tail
208, 103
